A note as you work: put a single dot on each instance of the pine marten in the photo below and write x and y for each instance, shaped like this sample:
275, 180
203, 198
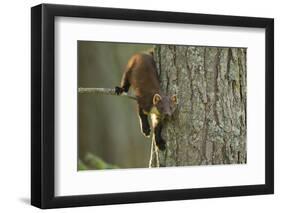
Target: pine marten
141, 74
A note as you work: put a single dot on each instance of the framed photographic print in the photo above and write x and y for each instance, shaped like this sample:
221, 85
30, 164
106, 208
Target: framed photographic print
140, 106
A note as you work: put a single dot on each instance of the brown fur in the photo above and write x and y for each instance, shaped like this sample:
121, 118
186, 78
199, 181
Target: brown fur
142, 76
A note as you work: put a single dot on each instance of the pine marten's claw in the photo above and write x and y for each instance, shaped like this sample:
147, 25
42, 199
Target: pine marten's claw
118, 90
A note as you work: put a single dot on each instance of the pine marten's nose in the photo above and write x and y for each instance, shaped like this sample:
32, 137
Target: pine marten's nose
167, 114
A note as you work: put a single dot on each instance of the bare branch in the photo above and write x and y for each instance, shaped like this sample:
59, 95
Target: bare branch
104, 91
154, 156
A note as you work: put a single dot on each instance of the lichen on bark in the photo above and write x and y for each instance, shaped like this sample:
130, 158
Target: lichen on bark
209, 125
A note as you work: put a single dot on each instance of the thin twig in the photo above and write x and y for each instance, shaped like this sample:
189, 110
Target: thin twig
104, 91
154, 156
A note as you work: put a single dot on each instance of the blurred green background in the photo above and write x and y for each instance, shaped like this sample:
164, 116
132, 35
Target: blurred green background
109, 134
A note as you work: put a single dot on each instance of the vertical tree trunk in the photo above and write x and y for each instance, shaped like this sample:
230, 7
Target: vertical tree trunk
209, 125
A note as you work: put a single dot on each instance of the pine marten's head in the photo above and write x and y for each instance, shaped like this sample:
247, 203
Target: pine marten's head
164, 105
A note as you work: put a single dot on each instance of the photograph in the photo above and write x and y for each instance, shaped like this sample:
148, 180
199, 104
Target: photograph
142, 105
160, 105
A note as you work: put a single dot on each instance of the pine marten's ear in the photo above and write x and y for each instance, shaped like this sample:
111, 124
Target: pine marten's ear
156, 99
174, 99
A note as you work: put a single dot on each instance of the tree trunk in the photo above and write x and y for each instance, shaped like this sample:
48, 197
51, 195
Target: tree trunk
209, 125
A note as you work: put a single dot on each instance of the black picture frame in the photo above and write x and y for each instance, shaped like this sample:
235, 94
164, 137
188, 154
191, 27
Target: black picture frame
43, 102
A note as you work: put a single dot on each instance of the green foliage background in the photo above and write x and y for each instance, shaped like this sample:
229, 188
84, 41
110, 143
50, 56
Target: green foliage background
109, 134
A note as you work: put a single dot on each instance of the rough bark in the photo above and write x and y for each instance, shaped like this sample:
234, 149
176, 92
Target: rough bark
209, 125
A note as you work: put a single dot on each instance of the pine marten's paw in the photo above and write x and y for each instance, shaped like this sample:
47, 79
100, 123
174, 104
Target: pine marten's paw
118, 90
161, 144
146, 132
